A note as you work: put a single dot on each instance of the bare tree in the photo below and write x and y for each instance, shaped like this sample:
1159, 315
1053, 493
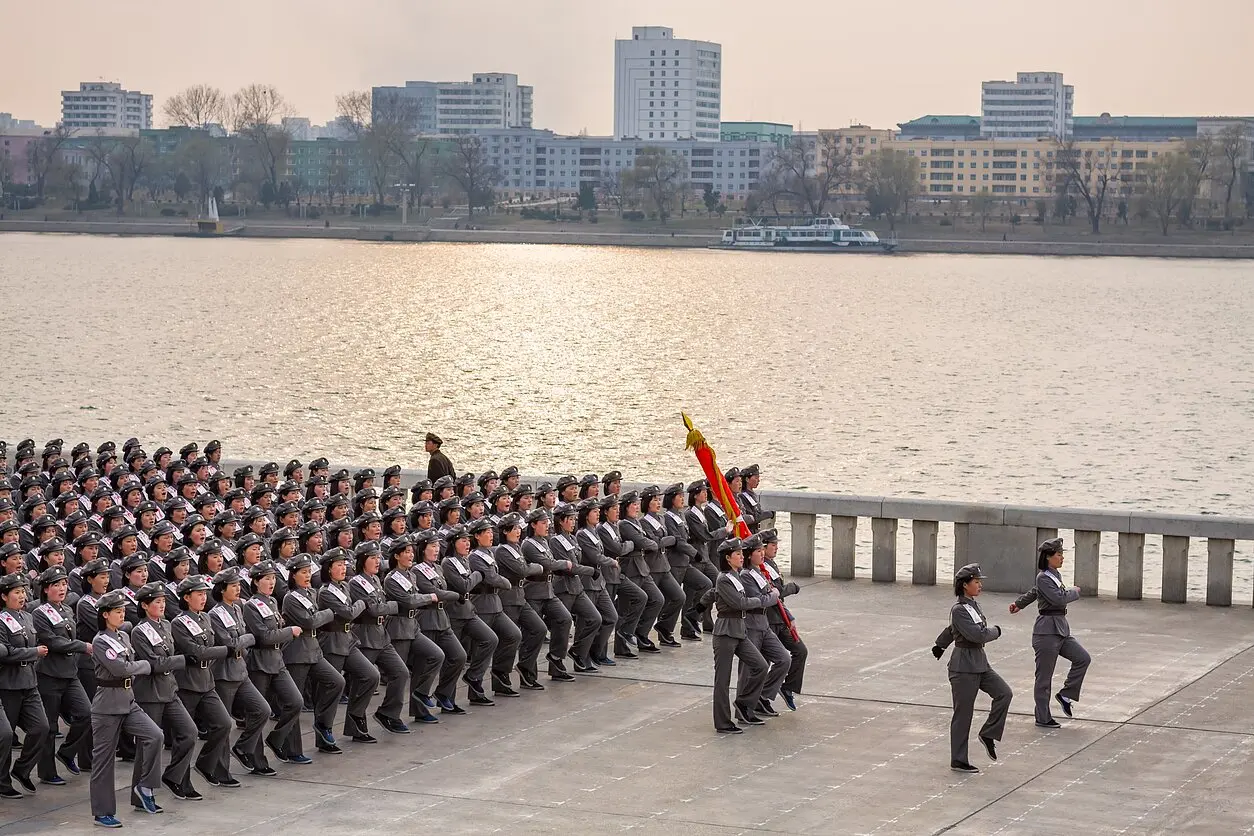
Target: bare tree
890, 178
469, 167
982, 205
1200, 153
810, 176
611, 189
43, 154
375, 139
396, 118
257, 113
1088, 175
136, 159
196, 107
201, 158
660, 175
1231, 153
1167, 184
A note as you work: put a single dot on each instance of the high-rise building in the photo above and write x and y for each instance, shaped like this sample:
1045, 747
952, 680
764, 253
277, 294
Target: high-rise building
105, 105
1033, 106
489, 101
665, 87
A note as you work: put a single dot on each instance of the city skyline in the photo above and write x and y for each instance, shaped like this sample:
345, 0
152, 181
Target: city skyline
877, 69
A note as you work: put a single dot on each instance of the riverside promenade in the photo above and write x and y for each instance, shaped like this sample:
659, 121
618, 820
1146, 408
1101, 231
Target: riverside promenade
1162, 743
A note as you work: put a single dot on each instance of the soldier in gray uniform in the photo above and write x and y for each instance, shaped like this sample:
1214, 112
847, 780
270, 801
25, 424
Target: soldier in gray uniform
758, 582
515, 569
731, 641
235, 689
478, 639
1051, 635
21, 705
796, 648
592, 555
685, 559
654, 526
306, 664
569, 586
422, 657
969, 670
436, 625
486, 597
629, 599
157, 693
59, 688
266, 668
372, 637
340, 645
636, 568
193, 639
114, 712
541, 597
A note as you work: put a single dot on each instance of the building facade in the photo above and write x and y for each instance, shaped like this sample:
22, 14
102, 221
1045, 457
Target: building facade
666, 88
105, 105
1033, 106
940, 127
776, 132
489, 101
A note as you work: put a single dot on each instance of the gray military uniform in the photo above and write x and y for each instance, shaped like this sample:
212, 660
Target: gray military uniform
477, 637
193, 639
421, 655
305, 662
733, 602
59, 686
266, 668
340, 646
435, 625
486, 597
20, 703
514, 568
970, 673
758, 628
372, 636
592, 554
569, 586
115, 712
1051, 638
157, 695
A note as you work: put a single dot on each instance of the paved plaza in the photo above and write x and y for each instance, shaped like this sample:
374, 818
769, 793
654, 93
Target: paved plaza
1161, 744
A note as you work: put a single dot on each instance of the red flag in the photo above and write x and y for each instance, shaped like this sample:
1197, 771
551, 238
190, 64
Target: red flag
721, 491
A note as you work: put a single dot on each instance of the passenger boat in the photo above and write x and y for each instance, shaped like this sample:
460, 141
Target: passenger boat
821, 234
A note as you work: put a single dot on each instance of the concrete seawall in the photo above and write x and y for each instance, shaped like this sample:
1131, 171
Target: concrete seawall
589, 237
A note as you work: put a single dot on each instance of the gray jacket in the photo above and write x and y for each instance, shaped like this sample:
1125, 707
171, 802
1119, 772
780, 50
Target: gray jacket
263, 619
230, 631
486, 596
541, 587
773, 614
401, 589
515, 569
615, 549
115, 663
734, 601
430, 580
568, 581
193, 638
371, 627
1051, 599
757, 584
55, 627
655, 529
301, 608
153, 642
18, 651
636, 563
681, 554
592, 555
702, 537
338, 639
969, 631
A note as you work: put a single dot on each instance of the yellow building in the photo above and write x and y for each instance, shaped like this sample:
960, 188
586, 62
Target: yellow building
850, 146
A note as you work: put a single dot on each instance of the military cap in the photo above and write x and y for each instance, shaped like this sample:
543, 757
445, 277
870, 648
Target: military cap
497, 493
124, 532
112, 600
340, 475
565, 482
612, 476
628, 498
751, 470
320, 463
263, 568
6, 504
91, 568
314, 481
731, 544
33, 500
442, 483
388, 493
71, 520
291, 467
586, 505
56, 544
523, 489
187, 479
285, 508
9, 549
543, 488
363, 474
51, 575
150, 592
220, 476
334, 528
136, 561
671, 490
364, 494
146, 505
336, 501
250, 539
418, 487
229, 575
471, 498
312, 504
537, 514
485, 476
193, 583
268, 468
769, 535
509, 472
79, 449
188, 449
298, 562
246, 470
607, 501
45, 521
366, 548
751, 543
259, 490
466, 478
457, 532
511, 520
213, 446
89, 538
12, 581
399, 544
254, 512
224, 517
648, 492
162, 451
212, 545
332, 555
969, 572
448, 504
1053, 546
481, 524
422, 538
588, 479
391, 514
367, 518
434, 439
135, 453
565, 510
127, 445
113, 511
87, 473
57, 444
288, 487
284, 533
177, 555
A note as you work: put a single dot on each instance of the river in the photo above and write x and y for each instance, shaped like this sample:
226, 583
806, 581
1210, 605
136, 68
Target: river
1122, 383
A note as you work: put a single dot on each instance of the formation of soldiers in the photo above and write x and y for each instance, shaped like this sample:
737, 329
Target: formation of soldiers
156, 600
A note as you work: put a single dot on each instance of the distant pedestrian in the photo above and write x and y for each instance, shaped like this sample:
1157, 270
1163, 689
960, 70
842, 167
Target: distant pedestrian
439, 465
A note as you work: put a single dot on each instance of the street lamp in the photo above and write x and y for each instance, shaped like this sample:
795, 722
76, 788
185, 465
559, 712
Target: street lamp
404, 187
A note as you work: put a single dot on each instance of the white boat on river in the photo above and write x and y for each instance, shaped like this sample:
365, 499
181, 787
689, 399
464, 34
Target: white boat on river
820, 234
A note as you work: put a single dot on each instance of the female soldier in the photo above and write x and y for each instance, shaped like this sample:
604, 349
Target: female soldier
340, 646
486, 597
61, 692
435, 624
654, 527
541, 595
792, 643
114, 712
969, 670
733, 600
178, 565
265, 661
592, 555
758, 627
515, 569
305, 662
629, 599
1051, 635
478, 639
235, 689
636, 568
683, 557
569, 587
157, 693
19, 687
372, 638
193, 639
422, 657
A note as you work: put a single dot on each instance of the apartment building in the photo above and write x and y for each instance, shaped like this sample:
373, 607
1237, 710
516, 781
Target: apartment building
489, 101
106, 106
666, 88
1034, 106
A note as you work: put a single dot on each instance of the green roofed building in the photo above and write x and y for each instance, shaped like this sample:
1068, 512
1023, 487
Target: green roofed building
940, 127
1135, 128
775, 132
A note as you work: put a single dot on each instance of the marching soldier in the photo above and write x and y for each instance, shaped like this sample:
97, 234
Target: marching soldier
59, 688
636, 568
1051, 635
541, 597
20, 703
372, 637
569, 586
969, 670
793, 644
683, 557
422, 657
266, 670
731, 640
486, 597
193, 639
758, 582
235, 689
751, 509
436, 625
629, 599
592, 555
478, 639
306, 663
341, 647
515, 569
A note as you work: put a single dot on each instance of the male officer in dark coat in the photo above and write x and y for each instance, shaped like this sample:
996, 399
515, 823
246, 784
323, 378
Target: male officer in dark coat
439, 464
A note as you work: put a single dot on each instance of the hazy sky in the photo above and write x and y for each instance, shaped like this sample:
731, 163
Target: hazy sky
810, 64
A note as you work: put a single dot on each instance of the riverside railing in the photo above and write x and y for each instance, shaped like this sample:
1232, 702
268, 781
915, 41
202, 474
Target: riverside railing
1003, 539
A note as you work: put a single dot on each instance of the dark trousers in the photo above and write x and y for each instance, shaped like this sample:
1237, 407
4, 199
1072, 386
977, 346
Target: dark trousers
25, 710
557, 618
242, 699
454, 661
694, 583
63, 697
776, 656
508, 638
1048, 648
391, 666
106, 730
531, 626
325, 685
480, 643
797, 649
653, 605
604, 602
630, 602
710, 571
208, 713
424, 658
174, 721
86, 678
587, 621
280, 691
360, 680
672, 601
753, 674
965, 686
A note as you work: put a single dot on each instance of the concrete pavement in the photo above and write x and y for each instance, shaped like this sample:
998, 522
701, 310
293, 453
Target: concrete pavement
1161, 743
